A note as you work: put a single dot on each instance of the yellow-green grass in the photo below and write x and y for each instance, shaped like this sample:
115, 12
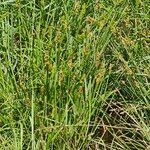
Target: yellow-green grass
74, 75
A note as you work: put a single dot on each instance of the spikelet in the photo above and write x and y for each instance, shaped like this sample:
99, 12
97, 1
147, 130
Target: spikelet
47, 62
90, 20
77, 6
58, 36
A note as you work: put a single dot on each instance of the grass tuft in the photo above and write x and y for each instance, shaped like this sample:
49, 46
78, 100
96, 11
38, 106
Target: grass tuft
74, 75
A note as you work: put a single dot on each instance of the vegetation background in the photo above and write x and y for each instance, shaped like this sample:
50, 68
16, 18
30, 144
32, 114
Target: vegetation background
74, 75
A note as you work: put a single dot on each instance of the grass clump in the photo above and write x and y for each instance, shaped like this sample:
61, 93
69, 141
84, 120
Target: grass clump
74, 75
